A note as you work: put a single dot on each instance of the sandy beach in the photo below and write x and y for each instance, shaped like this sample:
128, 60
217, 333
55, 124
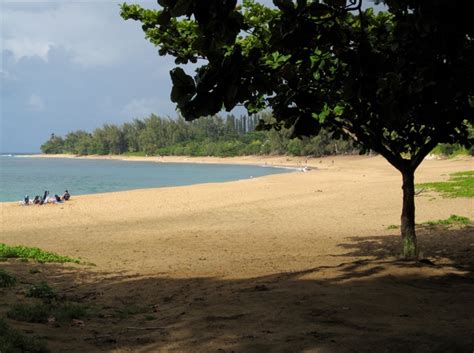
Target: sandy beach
297, 262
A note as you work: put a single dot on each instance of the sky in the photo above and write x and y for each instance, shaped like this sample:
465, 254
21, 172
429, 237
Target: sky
70, 65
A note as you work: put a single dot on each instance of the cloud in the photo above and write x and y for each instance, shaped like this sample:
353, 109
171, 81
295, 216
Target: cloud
26, 47
35, 103
6, 75
143, 107
93, 34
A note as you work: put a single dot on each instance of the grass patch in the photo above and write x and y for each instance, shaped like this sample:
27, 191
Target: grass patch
6, 279
69, 311
130, 310
41, 312
37, 313
13, 341
25, 252
42, 291
460, 184
452, 220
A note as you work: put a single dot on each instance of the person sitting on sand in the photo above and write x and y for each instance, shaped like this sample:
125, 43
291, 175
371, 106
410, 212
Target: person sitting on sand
66, 195
45, 196
58, 199
25, 201
37, 200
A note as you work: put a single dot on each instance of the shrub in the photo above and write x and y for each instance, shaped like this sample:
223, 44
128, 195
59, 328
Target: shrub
42, 291
38, 313
41, 312
295, 147
12, 341
6, 280
69, 311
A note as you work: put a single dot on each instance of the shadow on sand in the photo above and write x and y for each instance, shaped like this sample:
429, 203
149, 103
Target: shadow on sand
374, 303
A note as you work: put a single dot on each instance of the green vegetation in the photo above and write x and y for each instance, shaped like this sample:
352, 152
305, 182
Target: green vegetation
208, 136
6, 280
25, 252
459, 185
41, 312
38, 312
42, 291
453, 150
69, 311
13, 341
452, 220
130, 310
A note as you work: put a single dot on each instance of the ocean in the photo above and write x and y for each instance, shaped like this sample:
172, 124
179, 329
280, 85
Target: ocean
20, 175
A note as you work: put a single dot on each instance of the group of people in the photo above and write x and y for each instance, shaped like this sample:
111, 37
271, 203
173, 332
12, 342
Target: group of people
38, 200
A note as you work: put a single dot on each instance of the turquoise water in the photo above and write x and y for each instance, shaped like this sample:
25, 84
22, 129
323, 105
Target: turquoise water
20, 176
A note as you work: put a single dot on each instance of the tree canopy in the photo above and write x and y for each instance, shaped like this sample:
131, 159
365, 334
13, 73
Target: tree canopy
397, 82
209, 136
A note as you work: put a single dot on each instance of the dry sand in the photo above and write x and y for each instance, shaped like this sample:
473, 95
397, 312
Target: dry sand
297, 262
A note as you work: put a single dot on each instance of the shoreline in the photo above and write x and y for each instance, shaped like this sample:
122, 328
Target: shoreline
332, 164
294, 164
279, 161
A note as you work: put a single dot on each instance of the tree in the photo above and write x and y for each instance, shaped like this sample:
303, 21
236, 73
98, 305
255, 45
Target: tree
54, 145
398, 82
114, 139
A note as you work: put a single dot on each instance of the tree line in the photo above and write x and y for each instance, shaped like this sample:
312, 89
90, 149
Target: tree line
208, 136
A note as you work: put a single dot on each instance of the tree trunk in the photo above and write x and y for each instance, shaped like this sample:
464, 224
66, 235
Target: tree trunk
410, 249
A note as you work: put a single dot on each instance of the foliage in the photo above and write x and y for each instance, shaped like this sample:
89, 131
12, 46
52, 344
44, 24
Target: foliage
37, 313
41, 312
381, 79
25, 252
69, 311
453, 219
460, 184
450, 150
209, 136
42, 291
34, 270
54, 145
13, 341
130, 310
6, 279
